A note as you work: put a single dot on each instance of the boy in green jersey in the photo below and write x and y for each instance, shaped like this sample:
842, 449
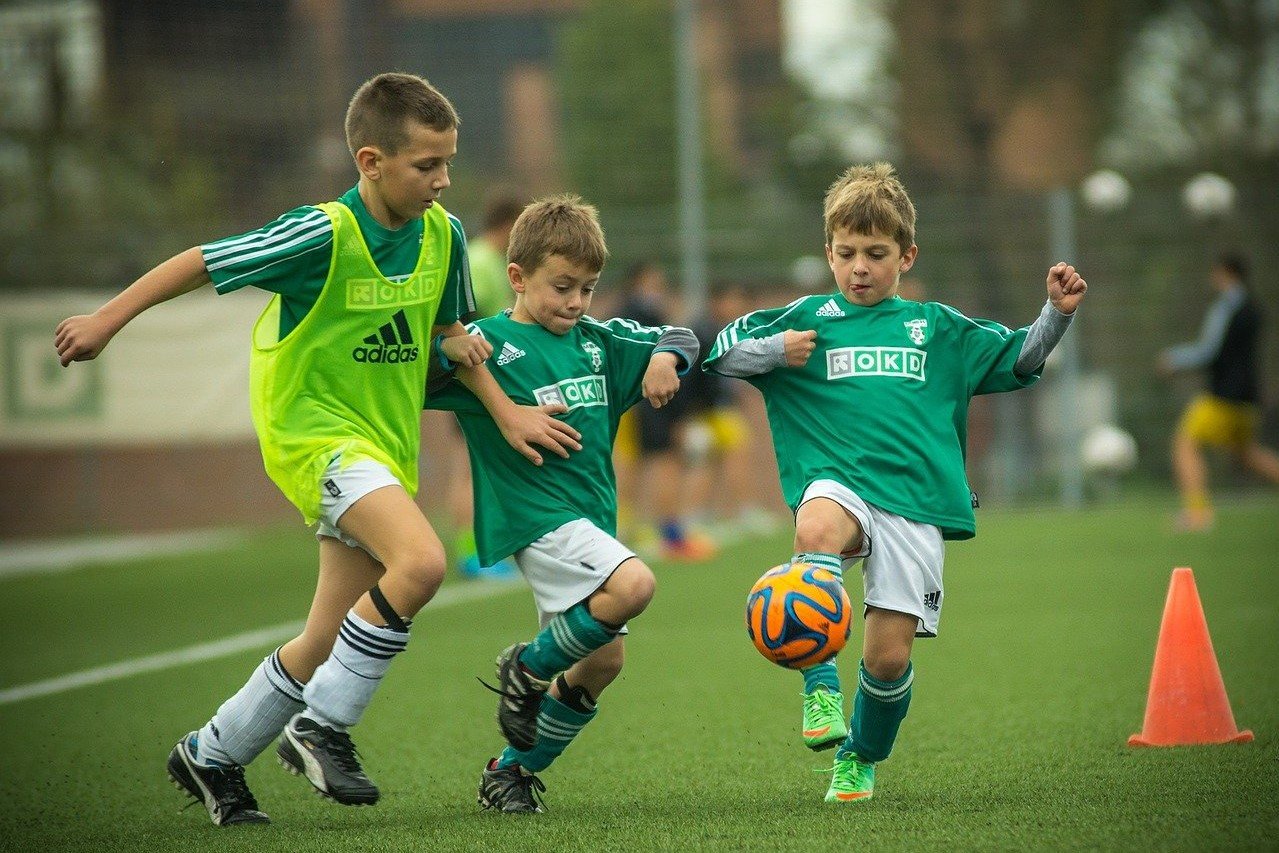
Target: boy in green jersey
368, 291
867, 396
560, 521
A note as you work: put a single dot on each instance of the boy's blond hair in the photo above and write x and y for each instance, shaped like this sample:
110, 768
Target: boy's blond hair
561, 225
381, 109
866, 199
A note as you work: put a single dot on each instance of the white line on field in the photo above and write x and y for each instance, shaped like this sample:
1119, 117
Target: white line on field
38, 558
219, 648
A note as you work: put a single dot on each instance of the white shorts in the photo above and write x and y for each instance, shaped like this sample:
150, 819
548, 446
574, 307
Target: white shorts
339, 489
903, 558
568, 564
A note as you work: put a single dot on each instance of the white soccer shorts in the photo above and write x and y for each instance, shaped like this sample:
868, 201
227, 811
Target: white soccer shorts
568, 564
341, 488
902, 565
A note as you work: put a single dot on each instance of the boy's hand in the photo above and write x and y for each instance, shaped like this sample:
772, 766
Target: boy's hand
1065, 288
466, 350
525, 426
83, 337
661, 380
798, 346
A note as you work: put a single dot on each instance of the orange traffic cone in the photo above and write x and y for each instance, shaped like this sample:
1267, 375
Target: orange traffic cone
1187, 703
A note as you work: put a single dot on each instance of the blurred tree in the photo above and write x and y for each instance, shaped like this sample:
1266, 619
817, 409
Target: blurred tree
1200, 85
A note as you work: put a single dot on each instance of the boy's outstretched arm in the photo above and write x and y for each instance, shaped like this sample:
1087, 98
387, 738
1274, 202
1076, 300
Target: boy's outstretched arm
84, 336
1066, 290
753, 356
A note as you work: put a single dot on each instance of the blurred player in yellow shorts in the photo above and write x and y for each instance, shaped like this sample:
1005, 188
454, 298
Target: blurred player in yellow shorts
1227, 415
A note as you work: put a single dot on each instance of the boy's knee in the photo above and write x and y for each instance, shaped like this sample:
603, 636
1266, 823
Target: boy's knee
423, 569
633, 585
888, 665
821, 534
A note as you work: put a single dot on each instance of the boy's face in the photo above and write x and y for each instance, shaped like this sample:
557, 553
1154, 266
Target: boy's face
555, 295
867, 266
408, 182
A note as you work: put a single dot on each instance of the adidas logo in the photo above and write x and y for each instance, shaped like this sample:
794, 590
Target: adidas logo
392, 343
830, 309
932, 600
508, 354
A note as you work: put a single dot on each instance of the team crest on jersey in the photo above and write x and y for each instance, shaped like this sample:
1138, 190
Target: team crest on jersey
916, 328
597, 357
574, 393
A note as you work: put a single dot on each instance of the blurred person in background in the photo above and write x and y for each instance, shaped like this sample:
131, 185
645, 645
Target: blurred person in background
648, 459
717, 439
1226, 415
493, 294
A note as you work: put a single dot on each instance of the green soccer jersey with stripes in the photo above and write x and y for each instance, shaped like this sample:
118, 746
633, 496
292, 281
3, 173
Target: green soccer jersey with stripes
882, 404
597, 370
291, 256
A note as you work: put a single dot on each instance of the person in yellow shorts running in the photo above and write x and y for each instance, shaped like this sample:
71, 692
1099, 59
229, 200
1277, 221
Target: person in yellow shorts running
1226, 415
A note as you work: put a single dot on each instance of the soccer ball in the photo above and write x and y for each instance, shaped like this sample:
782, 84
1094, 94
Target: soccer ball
798, 615
1108, 449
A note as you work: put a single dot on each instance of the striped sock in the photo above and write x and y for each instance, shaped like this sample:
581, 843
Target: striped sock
253, 717
557, 725
878, 712
343, 686
830, 562
566, 639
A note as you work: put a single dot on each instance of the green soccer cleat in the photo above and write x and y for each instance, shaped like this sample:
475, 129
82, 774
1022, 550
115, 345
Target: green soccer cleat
824, 725
854, 780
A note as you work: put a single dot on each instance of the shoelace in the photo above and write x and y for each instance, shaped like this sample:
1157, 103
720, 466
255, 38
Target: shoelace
235, 789
826, 701
343, 751
533, 788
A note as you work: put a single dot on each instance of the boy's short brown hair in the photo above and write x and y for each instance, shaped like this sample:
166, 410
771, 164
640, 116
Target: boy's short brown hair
561, 225
382, 107
866, 199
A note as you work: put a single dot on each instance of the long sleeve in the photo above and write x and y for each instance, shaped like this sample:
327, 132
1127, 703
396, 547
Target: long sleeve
1041, 338
753, 356
1202, 351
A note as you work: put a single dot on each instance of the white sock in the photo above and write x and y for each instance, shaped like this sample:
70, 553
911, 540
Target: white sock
343, 686
253, 717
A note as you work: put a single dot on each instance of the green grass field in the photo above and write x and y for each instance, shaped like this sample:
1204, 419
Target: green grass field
1015, 739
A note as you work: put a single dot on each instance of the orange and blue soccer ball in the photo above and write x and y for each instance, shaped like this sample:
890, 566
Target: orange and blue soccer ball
798, 615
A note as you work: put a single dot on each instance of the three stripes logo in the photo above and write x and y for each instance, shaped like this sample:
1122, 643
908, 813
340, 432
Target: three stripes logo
392, 343
509, 353
831, 309
932, 600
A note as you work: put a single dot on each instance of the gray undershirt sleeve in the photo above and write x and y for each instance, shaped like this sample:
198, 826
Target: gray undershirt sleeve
1042, 336
1201, 352
683, 343
753, 356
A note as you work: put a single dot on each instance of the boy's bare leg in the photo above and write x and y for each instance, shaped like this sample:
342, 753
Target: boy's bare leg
376, 629
823, 531
345, 574
1191, 473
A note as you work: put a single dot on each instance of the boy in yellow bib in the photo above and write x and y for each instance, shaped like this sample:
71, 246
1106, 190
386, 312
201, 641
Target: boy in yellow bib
369, 290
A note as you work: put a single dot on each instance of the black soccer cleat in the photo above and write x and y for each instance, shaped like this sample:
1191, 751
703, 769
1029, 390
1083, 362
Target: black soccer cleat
521, 695
511, 790
328, 760
220, 788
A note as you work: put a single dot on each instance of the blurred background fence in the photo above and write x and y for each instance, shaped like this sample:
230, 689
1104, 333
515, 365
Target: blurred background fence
132, 129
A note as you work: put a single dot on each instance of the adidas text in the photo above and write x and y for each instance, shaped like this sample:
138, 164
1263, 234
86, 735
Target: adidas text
385, 355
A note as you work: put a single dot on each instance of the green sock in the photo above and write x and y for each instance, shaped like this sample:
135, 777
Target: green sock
878, 712
831, 562
557, 725
564, 641
821, 675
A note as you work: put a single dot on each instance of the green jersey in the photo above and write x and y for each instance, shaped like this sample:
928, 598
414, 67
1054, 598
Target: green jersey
597, 370
291, 257
882, 404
